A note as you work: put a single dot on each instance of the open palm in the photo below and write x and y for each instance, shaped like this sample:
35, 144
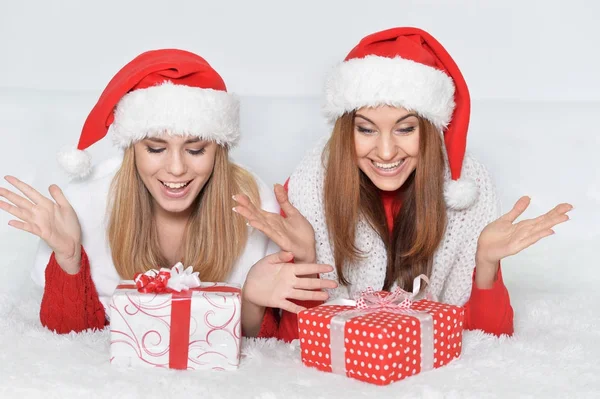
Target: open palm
55, 222
292, 233
503, 237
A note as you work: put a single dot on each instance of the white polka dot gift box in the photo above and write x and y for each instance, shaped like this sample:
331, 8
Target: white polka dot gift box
169, 319
382, 337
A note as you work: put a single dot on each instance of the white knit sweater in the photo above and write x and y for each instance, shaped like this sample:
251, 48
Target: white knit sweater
454, 260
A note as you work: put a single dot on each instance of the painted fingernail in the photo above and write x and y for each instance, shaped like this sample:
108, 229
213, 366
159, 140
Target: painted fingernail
233, 209
233, 198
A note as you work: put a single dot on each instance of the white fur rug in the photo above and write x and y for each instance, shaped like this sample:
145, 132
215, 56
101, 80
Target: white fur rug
555, 354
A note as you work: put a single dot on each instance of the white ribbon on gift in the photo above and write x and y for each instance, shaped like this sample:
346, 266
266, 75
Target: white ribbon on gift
338, 324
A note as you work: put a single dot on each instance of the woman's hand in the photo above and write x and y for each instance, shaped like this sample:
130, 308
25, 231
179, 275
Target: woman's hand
503, 237
272, 282
292, 233
55, 222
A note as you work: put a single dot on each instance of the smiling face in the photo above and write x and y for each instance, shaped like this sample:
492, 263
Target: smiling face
174, 169
386, 141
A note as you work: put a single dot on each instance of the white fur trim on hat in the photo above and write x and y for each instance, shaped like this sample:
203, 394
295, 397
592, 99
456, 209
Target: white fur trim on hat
372, 81
77, 163
460, 194
177, 110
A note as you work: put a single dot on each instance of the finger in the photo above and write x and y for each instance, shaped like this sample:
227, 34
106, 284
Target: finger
16, 199
26, 189
280, 257
245, 212
533, 238
305, 295
58, 196
284, 202
291, 306
270, 232
314, 284
13, 210
250, 208
17, 224
310, 268
553, 221
517, 209
554, 216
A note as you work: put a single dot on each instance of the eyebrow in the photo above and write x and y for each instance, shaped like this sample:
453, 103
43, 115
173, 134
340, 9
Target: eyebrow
161, 141
398, 121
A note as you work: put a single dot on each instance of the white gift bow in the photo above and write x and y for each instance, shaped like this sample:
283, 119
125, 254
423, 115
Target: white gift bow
182, 280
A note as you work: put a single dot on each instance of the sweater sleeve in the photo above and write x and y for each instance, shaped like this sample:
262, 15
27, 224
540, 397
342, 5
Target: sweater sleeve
281, 324
71, 302
490, 309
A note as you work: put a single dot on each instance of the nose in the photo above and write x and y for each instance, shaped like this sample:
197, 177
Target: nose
386, 147
176, 164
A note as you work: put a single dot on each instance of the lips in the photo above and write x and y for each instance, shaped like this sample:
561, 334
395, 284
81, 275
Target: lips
175, 185
388, 166
175, 190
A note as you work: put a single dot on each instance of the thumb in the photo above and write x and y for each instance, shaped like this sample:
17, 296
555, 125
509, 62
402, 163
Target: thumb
283, 200
280, 257
517, 209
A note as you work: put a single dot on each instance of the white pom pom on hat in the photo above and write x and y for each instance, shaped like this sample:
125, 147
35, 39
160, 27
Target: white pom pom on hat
407, 67
77, 163
161, 91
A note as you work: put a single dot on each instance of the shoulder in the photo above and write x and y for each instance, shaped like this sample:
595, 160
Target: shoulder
475, 170
266, 194
268, 201
487, 205
97, 183
311, 168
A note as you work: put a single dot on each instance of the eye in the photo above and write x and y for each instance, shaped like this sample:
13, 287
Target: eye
154, 150
197, 152
365, 130
406, 130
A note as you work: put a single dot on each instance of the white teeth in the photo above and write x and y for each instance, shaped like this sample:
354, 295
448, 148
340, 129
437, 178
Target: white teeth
388, 165
175, 185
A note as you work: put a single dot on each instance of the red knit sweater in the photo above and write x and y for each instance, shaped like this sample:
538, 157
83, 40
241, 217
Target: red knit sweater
71, 302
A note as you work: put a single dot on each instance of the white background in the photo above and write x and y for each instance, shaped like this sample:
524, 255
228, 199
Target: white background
532, 67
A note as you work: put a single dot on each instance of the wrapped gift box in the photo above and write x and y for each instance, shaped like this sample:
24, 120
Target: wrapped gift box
381, 344
194, 329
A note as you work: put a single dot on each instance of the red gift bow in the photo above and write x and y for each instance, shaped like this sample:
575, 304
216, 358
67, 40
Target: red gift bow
157, 283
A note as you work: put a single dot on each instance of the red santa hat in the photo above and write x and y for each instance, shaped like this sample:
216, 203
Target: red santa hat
408, 68
160, 91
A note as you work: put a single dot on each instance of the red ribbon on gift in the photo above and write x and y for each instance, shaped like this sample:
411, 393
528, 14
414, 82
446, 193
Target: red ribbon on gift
157, 283
181, 304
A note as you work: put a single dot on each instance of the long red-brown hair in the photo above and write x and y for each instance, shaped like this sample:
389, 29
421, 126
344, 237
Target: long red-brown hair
349, 194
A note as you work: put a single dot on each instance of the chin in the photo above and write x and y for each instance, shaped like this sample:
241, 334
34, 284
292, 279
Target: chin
175, 208
388, 185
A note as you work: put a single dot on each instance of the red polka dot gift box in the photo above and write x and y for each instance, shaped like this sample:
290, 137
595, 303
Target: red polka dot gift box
385, 338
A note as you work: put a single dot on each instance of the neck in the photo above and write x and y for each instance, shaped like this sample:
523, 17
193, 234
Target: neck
171, 229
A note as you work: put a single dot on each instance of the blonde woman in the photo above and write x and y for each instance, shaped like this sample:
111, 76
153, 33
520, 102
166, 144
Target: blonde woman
168, 199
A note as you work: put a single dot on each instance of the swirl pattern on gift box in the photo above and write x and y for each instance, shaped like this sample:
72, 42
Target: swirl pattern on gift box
143, 325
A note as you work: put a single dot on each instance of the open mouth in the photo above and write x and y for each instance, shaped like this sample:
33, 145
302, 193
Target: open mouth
175, 187
388, 167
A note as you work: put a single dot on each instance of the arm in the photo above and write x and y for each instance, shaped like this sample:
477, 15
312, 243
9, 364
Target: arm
70, 301
283, 324
489, 309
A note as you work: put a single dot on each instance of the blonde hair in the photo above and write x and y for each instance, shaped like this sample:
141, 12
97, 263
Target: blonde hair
214, 236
